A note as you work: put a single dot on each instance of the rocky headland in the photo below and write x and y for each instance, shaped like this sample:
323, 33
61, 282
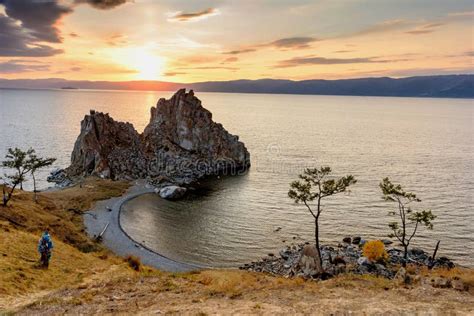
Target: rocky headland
180, 145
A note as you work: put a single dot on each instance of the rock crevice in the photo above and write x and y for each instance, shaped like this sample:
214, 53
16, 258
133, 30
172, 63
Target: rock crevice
181, 144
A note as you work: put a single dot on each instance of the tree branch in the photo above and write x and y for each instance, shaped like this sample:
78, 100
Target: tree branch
414, 231
309, 208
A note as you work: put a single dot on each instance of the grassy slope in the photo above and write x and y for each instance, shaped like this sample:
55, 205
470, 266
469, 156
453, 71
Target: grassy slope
79, 282
18, 255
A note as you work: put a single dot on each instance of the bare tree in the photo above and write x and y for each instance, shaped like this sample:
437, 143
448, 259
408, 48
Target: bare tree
409, 219
313, 187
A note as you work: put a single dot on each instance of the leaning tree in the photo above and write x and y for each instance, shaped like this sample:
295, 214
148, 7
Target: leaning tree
15, 159
23, 162
407, 226
313, 186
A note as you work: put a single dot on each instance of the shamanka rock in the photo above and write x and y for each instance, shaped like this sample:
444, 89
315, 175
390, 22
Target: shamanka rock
181, 143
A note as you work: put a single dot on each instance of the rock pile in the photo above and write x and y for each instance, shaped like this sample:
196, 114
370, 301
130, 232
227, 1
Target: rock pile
180, 145
295, 260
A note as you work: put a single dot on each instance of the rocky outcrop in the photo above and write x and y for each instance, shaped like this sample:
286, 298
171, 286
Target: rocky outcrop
181, 144
300, 260
107, 148
172, 192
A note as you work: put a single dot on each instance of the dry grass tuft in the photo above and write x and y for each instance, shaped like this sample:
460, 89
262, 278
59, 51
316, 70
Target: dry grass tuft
464, 274
133, 262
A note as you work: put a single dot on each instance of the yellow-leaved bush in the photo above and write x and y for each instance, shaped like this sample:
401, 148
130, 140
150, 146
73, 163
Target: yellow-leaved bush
374, 250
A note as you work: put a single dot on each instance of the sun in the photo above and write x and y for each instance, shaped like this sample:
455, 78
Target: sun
148, 65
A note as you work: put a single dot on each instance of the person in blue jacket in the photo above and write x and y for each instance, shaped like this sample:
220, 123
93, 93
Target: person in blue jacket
45, 245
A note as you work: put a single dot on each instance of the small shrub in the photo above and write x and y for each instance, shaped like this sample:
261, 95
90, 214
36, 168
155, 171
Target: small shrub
133, 262
374, 250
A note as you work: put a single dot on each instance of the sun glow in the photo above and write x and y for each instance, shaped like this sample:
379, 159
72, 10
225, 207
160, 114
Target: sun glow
147, 65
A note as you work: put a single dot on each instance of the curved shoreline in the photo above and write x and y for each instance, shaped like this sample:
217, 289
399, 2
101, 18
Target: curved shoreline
118, 241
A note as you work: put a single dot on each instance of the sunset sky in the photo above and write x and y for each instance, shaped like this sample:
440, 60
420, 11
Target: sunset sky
189, 41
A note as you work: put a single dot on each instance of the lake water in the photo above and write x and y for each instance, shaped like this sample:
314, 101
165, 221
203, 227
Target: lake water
425, 144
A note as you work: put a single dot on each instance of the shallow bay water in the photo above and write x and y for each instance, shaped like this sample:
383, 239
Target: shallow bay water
425, 144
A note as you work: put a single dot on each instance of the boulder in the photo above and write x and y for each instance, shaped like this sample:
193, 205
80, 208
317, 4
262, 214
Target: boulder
181, 143
400, 277
60, 178
459, 285
441, 282
356, 240
172, 192
309, 261
387, 242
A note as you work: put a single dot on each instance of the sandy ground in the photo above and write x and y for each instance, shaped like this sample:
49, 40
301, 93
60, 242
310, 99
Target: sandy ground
118, 241
188, 296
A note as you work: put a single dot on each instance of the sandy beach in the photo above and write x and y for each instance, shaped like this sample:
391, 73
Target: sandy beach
118, 241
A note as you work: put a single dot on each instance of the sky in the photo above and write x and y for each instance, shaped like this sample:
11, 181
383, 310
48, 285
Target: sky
191, 41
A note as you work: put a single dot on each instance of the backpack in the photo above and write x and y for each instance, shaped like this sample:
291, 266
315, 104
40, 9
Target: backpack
44, 247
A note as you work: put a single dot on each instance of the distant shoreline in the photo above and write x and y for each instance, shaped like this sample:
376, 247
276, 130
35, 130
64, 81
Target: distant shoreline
442, 86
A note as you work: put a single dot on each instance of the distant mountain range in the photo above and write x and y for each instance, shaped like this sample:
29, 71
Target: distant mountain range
449, 86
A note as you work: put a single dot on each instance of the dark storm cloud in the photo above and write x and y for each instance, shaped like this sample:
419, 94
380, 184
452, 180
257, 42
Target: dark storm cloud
29, 24
17, 66
310, 60
183, 16
14, 41
38, 17
103, 4
26, 24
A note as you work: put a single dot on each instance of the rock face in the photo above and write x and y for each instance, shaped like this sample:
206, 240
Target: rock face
181, 143
107, 148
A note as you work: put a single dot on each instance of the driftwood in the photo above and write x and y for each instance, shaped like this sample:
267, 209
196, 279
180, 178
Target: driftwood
75, 210
432, 258
93, 215
99, 237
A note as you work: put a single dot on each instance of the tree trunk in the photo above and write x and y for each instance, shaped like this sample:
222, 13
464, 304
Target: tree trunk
9, 195
432, 259
35, 199
405, 255
316, 236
